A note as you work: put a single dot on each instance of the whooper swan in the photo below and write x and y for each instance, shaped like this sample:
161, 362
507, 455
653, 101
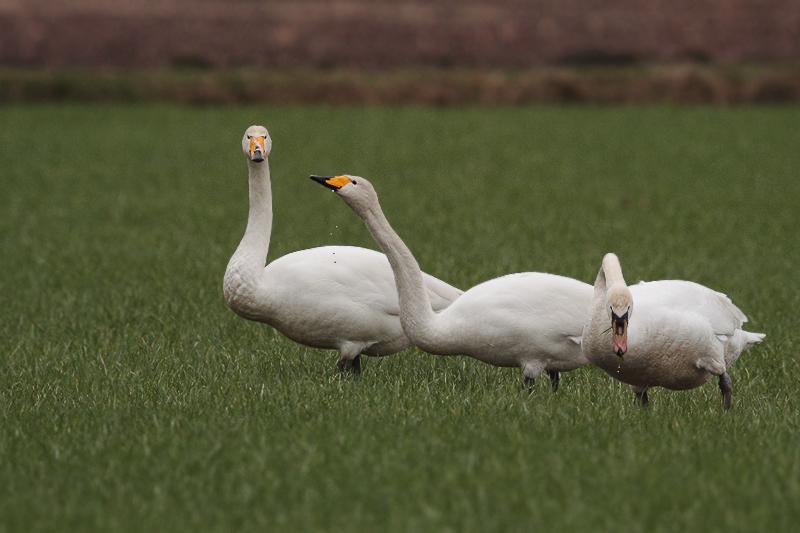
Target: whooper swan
532, 321
333, 297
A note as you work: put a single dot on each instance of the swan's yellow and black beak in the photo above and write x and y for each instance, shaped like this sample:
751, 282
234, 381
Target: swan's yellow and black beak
332, 182
257, 149
619, 329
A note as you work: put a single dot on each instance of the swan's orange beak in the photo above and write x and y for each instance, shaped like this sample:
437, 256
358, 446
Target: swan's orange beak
257, 150
619, 329
332, 182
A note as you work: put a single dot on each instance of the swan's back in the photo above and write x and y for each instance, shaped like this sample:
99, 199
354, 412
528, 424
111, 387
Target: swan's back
686, 296
546, 297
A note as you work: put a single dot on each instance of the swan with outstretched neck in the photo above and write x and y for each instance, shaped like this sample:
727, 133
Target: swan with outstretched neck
332, 297
672, 334
530, 320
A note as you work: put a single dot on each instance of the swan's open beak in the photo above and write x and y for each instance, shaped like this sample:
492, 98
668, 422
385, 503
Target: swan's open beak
257, 149
619, 328
332, 182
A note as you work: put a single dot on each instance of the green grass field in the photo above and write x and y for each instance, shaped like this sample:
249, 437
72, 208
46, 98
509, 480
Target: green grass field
132, 399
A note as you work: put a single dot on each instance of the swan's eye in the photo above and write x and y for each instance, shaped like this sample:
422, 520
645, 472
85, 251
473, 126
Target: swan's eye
249, 136
355, 182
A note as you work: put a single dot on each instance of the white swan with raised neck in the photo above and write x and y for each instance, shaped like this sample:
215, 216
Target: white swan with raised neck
333, 297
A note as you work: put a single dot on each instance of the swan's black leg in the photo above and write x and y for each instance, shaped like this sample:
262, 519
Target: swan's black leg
554, 379
726, 389
641, 398
356, 366
350, 366
527, 383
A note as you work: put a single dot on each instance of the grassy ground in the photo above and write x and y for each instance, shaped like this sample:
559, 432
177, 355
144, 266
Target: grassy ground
131, 399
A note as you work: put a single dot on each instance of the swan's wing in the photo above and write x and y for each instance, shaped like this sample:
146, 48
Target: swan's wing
378, 280
440, 293
686, 296
533, 301
371, 277
563, 303
337, 277
359, 274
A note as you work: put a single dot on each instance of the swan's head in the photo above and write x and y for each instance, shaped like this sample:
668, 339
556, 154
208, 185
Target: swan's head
357, 192
620, 306
256, 144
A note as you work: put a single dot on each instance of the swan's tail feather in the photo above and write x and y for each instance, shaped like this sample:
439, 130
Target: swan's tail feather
741, 341
753, 338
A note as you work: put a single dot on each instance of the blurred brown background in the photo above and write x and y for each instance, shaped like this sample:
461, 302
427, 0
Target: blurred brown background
725, 50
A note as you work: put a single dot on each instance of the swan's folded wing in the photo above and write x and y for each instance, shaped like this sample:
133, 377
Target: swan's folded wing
723, 315
367, 277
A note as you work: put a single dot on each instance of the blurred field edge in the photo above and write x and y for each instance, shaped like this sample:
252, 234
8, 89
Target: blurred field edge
686, 83
436, 52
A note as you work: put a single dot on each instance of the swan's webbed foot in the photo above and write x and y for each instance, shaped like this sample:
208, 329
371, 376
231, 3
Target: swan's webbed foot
641, 398
726, 388
350, 366
555, 377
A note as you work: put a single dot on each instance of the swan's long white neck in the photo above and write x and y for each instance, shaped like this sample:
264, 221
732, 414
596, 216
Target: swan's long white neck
244, 278
609, 275
420, 323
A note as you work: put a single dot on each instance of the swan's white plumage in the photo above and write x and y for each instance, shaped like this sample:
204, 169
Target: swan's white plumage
723, 316
679, 333
333, 297
325, 296
529, 320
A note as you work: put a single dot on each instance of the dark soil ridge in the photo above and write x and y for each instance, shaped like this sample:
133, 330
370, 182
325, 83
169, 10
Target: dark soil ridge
608, 85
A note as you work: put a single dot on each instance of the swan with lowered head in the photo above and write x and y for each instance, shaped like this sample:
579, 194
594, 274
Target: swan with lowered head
676, 336
532, 321
333, 297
